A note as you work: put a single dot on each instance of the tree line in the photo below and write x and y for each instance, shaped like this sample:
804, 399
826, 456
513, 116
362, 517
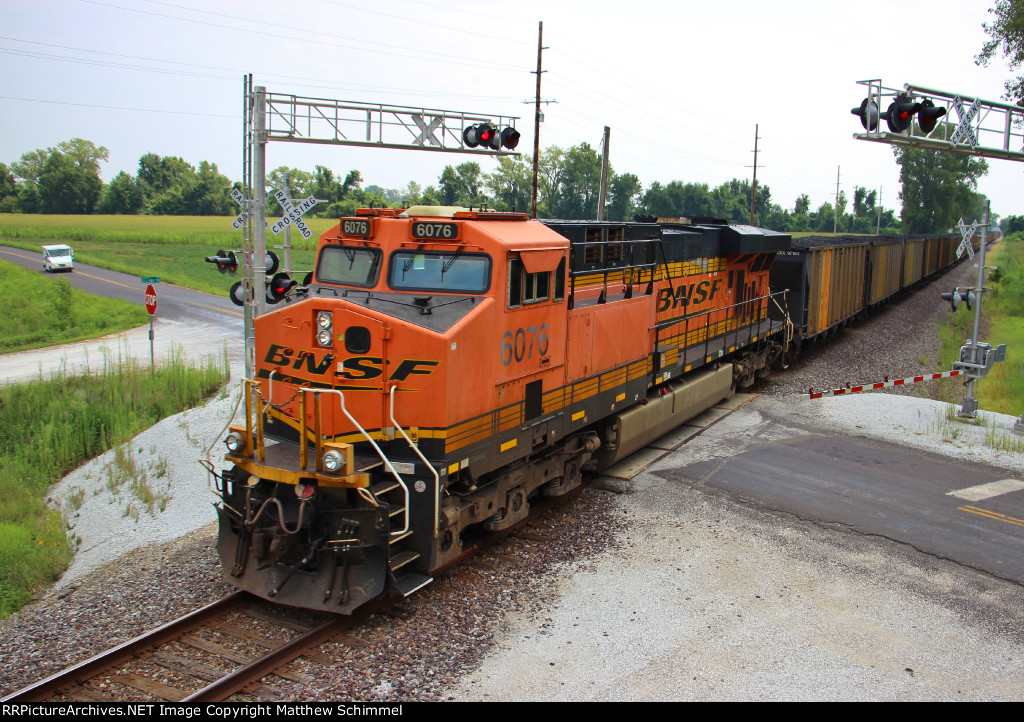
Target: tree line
937, 189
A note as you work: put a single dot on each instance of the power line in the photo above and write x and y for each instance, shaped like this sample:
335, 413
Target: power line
424, 55
116, 107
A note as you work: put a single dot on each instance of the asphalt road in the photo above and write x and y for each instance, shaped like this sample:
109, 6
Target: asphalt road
199, 323
971, 513
174, 303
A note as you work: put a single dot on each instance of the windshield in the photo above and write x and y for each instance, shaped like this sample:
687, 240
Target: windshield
348, 266
445, 272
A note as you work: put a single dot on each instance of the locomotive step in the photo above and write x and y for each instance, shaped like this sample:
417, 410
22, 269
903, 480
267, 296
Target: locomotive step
384, 487
409, 583
401, 559
395, 509
396, 539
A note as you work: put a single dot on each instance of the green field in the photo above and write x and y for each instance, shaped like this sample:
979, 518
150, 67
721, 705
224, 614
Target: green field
1002, 391
44, 311
171, 247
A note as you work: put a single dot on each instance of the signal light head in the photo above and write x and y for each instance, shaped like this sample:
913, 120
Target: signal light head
510, 138
237, 294
487, 136
279, 286
900, 114
868, 114
469, 136
928, 115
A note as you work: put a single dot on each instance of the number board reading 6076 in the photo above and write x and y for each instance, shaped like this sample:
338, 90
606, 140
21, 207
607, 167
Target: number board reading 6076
435, 230
359, 227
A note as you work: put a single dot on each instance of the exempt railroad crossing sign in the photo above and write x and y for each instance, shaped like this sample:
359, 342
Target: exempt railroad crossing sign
150, 299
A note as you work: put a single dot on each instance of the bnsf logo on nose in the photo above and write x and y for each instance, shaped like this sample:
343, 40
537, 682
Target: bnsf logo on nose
356, 368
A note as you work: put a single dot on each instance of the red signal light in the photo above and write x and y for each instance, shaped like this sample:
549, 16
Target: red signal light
901, 113
279, 286
928, 116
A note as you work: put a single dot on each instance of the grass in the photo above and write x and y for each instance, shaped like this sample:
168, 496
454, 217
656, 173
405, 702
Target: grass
42, 311
171, 247
50, 426
208, 231
1002, 390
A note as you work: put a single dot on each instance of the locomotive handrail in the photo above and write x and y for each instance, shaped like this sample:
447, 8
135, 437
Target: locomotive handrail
383, 457
437, 477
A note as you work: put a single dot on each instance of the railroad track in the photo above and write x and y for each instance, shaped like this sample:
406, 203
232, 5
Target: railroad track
223, 649
231, 646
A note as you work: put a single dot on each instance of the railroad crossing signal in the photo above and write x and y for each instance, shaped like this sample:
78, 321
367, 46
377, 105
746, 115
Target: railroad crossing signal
956, 296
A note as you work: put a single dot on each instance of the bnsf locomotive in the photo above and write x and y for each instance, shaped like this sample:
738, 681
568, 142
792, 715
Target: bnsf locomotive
444, 368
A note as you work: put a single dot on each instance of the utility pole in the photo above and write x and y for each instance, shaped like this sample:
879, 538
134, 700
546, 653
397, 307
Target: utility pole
835, 225
603, 193
753, 185
536, 120
878, 226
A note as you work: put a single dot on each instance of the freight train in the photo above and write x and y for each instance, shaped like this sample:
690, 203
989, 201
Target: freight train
445, 368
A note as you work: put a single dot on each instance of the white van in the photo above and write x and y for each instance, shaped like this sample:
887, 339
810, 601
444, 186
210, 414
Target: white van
58, 258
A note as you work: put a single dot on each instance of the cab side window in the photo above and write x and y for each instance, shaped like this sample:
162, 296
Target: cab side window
525, 288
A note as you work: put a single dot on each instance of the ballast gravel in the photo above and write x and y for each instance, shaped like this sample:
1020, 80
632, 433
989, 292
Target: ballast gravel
666, 592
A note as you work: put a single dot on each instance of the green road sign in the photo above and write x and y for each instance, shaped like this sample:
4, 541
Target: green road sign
151, 279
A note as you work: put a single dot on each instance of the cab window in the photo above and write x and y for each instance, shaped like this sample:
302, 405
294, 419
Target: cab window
450, 272
348, 266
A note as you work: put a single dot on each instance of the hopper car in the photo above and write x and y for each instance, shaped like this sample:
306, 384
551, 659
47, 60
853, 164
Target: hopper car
834, 281
444, 368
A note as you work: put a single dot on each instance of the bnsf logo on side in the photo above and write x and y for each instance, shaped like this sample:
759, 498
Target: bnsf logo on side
685, 295
356, 368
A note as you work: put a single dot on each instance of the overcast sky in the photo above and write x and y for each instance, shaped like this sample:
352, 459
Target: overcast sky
681, 84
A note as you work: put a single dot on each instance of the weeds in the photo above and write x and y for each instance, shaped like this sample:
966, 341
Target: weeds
51, 426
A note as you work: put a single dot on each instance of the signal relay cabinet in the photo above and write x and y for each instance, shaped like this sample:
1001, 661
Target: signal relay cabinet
58, 258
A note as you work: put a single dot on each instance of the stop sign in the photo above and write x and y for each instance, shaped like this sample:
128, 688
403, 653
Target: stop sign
151, 299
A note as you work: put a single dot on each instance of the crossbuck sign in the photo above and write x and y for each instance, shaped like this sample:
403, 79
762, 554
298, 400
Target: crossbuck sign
968, 234
293, 214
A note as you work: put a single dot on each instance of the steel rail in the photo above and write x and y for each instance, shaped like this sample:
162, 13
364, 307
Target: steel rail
78, 674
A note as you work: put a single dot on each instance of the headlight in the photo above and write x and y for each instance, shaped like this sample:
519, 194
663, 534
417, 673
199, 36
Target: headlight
324, 339
235, 442
334, 461
325, 319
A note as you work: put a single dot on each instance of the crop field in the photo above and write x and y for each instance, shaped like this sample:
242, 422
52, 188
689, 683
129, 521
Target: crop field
171, 247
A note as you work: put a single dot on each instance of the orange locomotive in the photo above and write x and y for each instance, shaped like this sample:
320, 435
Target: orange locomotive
444, 367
